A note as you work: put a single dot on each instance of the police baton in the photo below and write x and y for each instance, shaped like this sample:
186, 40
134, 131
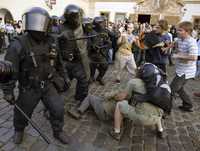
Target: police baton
33, 124
84, 37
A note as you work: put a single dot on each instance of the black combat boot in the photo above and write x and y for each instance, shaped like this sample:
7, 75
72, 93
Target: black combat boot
18, 137
101, 82
62, 137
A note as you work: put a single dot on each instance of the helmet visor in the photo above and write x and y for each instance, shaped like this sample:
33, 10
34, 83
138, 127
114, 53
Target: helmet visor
35, 22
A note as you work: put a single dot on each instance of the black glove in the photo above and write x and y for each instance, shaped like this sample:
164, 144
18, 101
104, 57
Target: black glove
60, 84
9, 98
6, 67
6, 71
7, 88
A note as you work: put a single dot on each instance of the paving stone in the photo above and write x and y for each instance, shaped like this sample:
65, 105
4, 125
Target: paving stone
3, 131
184, 139
18, 148
137, 147
182, 131
8, 147
149, 140
39, 145
162, 147
28, 141
138, 130
31, 131
2, 121
7, 124
137, 139
188, 146
123, 149
1, 144
176, 147
149, 147
100, 139
5, 116
7, 136
171, 131
172, 139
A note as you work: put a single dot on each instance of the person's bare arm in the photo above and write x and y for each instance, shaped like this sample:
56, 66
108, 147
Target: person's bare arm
121, 96
185, 56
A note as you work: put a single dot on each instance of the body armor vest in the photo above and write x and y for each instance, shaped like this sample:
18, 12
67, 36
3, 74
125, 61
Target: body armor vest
35, 63
70, 48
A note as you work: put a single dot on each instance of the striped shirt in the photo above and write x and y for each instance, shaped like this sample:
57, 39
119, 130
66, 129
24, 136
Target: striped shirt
187, 46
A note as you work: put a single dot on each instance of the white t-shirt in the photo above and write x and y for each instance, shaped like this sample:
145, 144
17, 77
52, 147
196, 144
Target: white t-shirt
187, 46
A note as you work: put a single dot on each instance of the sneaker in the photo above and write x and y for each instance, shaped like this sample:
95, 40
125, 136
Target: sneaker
117, 81
74, 113
197, 94
91, 80
185, 109
160, 134
101, 82
62, 137
115, 135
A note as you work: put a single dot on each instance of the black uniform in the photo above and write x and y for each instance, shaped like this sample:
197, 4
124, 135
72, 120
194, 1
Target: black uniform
98, 50
1, 39
74, 52
35, 81
36, 74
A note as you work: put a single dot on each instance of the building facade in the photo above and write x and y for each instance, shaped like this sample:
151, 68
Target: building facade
136, 10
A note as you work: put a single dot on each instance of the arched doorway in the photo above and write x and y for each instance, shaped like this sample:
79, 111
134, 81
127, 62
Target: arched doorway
5, 15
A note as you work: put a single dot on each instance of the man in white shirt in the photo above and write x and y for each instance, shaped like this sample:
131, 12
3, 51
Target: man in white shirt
186, 58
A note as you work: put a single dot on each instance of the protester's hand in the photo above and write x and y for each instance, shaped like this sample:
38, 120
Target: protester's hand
175, 56
121, 96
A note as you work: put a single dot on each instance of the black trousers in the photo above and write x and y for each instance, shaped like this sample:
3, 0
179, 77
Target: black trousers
28, 100
178, 86
101, 67
76, 70
1, 42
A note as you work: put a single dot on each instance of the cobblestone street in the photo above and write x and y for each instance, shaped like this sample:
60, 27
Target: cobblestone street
182, 130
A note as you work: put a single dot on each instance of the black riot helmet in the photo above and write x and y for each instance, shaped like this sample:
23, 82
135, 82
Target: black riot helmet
36, 19
54, 20
73, 16
87, 24
147, 71
99, 23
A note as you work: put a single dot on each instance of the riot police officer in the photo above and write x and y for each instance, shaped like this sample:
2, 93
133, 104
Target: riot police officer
54, 25
98, 50
74, 52
36, 73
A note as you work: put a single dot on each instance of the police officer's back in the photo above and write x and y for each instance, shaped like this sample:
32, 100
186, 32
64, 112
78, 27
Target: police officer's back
99, 50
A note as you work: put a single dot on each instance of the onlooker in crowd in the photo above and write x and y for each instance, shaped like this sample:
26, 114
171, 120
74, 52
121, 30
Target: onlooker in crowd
114, 39
124, 56
186, 58
173, 31
197, 94
161, 28
9, 30
18, 28
170, 50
